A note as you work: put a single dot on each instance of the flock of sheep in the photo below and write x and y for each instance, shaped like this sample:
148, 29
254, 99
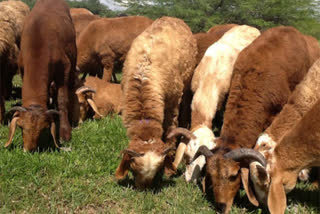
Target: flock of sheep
173, 83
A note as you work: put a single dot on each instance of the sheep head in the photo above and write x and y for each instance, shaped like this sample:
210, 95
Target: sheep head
191, 142
146, 154
225, 168
86, 101
144, 159
33, 121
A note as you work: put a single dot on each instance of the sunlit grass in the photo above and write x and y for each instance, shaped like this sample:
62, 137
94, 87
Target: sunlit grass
82, 181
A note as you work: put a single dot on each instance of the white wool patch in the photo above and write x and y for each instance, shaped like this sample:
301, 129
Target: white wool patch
265, 144
304, 175
194, 169
214, 72
151, 162
263, 138
204, 136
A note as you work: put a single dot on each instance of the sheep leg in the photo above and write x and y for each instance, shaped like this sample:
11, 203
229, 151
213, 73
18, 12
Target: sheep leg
63, 101
107, 61
185, 109
171, 122
171, 118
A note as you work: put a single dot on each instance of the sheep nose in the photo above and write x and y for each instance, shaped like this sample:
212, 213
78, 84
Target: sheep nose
221, 207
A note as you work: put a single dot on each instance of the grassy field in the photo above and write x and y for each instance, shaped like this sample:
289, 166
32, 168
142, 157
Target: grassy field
82, 180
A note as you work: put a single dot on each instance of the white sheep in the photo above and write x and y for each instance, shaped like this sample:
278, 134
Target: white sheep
210, 84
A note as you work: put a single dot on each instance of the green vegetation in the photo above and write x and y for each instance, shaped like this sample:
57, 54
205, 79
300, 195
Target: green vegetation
82, 181
93, 5
200, 15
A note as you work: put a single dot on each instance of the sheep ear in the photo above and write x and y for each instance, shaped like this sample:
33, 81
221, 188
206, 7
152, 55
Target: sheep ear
277, 201
123, 167
245, 182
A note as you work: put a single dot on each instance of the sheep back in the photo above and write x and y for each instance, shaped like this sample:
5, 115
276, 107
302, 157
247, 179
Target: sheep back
212, 77
159, 66
265, 74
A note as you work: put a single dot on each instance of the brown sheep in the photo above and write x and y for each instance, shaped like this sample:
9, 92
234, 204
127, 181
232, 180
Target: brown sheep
157, 71
48, 54
81, 17
300, 102
106, 41
12, 14
299, 148
103, 97
264, 75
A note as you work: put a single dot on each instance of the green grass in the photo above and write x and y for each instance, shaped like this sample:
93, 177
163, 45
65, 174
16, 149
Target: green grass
82, 181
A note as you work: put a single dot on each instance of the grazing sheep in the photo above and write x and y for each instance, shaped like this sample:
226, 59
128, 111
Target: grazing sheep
48, 54
101, 96
264, 75
210, 85
12, 14
299, 148
204, 40
106, 41
157, 71
300, 102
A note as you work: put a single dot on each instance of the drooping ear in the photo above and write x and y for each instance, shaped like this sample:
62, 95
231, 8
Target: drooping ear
123, 168
246, 185
203, 184
13, 126
53, 133
277, 201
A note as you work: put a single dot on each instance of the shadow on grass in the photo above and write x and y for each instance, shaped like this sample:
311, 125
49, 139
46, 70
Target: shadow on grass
45, 143
159, 183
311, 198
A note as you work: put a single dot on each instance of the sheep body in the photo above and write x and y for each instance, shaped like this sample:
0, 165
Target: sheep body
104, 100
11, 21
158, 68
107, 40
298, 149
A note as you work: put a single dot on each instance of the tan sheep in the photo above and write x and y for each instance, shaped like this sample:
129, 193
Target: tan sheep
77, 11
102, 97
12, 14
157, 71
81, 18
106, 41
